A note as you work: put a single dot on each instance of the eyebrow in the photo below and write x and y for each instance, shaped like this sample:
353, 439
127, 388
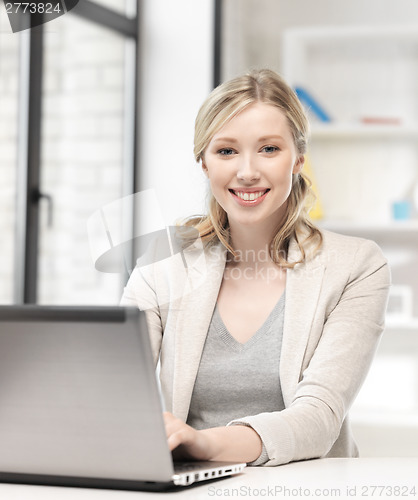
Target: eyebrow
261, 139
267, 137
225, 139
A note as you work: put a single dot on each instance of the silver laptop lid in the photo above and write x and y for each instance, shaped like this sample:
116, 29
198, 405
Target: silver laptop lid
78, 394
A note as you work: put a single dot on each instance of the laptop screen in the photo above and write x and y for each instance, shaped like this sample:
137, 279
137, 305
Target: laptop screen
78, 394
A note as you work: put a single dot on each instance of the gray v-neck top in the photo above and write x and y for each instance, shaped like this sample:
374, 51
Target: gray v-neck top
238, 380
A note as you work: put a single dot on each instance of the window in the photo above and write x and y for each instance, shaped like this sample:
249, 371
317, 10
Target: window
67, 131
82, 155
121, 6
9, 98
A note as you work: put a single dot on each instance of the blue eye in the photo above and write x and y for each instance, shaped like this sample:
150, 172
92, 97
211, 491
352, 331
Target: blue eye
226, 152
270, 149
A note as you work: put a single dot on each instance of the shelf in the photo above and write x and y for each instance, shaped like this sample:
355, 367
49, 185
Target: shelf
404, 325
361, 131
359, 32
408, 227
396, 234
383, 418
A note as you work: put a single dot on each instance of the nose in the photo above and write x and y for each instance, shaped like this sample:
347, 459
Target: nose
247, 169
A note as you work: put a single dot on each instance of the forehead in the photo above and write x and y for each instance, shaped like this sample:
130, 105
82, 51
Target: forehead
259, 119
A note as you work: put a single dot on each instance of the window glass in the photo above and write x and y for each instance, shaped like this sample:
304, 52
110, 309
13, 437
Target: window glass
125, 7
9, 74
81, 156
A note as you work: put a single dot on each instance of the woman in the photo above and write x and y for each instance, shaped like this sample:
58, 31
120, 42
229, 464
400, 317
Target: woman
267, 336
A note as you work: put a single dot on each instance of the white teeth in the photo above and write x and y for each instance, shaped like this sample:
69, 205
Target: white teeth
249, 196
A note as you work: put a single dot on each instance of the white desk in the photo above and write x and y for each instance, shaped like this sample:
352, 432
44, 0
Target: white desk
326, 478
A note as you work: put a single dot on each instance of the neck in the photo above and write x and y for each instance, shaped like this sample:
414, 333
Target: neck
251, 245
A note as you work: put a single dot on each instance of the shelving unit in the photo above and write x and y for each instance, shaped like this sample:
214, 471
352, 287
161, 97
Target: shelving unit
363, 131
359, 74
390, 233
398, 326
356, 73
407, 227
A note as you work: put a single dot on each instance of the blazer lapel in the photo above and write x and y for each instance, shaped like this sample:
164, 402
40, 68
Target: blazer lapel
205, 271
303, 287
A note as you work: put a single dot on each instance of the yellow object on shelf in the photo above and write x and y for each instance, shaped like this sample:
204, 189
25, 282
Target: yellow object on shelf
316, 211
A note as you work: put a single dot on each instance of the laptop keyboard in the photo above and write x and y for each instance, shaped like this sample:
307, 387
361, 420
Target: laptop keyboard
187, 466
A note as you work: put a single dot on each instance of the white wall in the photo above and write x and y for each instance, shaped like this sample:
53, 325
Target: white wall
176, 77
253, 28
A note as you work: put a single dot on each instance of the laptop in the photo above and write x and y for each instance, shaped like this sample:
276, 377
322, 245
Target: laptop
80, 403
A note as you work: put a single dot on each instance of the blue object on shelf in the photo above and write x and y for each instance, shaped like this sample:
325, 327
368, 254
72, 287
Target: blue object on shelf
401, 210
305, 97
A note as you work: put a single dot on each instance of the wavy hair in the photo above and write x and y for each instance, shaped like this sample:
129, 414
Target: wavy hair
225, 102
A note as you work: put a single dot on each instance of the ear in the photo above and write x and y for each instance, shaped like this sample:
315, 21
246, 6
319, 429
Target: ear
205, 168
297, 167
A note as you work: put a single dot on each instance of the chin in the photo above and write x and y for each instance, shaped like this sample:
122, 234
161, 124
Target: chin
247, 221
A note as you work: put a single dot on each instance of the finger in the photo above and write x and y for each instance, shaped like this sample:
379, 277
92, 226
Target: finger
180, 436
168, 417
173, 424
174, 440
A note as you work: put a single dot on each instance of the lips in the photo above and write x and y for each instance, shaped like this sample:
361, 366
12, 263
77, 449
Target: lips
249, 197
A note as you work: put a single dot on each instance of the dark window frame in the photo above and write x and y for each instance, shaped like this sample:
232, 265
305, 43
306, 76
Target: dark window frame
217, 42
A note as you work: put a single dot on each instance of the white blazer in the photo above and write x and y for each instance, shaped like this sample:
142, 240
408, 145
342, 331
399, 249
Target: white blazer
334, 316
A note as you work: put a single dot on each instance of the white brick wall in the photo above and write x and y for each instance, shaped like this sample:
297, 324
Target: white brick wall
82, 154
9, 58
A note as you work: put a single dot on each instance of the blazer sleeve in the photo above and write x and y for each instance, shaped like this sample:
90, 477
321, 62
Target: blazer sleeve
140, 292
311, 424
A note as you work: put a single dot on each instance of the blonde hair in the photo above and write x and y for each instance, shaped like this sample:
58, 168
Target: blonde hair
225, 102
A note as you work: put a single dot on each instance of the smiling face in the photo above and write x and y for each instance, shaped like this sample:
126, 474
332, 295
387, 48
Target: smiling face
249, 163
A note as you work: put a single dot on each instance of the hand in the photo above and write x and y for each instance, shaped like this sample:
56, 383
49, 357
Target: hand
185, 442
237, 443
